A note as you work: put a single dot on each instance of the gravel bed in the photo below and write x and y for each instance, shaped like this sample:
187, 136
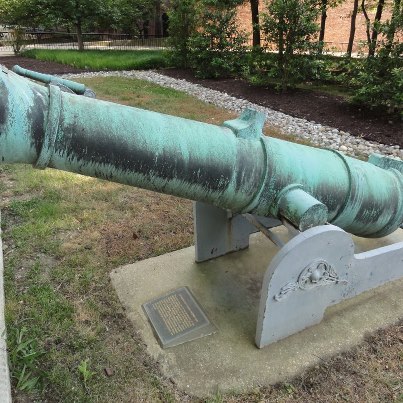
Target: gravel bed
317, 134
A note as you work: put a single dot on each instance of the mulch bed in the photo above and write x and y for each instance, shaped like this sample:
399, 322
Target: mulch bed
38, 65
316, 106
311, 105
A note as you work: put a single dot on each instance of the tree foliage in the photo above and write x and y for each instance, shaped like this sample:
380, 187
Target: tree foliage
19, 13
77, 14
182, 26
217, 46
204, 36
291, 25
131, 16
379, 78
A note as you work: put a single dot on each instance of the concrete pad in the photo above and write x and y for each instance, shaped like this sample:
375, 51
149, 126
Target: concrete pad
228, 288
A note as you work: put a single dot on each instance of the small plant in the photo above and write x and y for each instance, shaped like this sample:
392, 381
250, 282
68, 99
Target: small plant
18, 41
85, 372
217, 398
289, 389
23, 357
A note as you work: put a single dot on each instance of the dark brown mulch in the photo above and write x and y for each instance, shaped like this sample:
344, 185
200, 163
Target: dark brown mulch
38, 65
315, 106
311, 105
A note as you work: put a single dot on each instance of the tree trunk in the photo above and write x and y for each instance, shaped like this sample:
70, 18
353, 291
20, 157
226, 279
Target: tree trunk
254, 6
157, 19
352, 29
374, 36
367, 22
322, 25
80, 41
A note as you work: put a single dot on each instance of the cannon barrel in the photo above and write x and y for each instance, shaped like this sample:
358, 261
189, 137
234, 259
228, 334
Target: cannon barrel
232, 166
47, 78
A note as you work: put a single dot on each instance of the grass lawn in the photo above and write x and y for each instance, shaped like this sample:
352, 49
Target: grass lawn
64, 233
103, 59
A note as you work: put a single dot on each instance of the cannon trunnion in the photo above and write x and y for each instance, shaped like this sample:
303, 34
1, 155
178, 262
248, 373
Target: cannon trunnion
241, 180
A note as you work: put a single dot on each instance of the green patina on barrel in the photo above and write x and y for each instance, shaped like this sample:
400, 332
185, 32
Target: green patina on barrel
47, 78
231, 166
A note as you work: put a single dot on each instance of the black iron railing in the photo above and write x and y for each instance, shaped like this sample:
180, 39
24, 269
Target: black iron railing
68, 40
107, 41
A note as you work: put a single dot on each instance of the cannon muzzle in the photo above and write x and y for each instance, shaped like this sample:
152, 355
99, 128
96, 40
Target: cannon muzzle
232, 166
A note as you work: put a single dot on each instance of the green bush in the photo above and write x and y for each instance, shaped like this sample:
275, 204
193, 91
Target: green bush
182, 24
379, 83
18, 40
217, 48
291, 26
262, 68
379, 79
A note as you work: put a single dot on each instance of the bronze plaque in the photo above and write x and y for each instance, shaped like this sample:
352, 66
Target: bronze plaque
177, 317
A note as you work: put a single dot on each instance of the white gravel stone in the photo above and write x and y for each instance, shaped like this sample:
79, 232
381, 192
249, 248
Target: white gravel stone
316, 133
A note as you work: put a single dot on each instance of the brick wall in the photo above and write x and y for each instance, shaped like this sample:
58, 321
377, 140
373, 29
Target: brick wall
337, 23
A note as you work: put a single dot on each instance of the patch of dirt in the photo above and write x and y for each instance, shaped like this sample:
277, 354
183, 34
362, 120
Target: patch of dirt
38, 65
370, 372
315, 106
121, 239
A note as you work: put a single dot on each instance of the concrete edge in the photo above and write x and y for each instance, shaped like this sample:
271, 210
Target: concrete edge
5, 387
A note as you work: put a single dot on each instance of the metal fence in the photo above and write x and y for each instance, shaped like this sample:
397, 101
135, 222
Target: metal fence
68, 40
336, 48
108, 41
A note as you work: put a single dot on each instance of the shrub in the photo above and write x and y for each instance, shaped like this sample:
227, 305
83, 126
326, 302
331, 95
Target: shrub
291, 25
182, 24
18, 41
379, 78
263, 69
217, 48
379, 83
